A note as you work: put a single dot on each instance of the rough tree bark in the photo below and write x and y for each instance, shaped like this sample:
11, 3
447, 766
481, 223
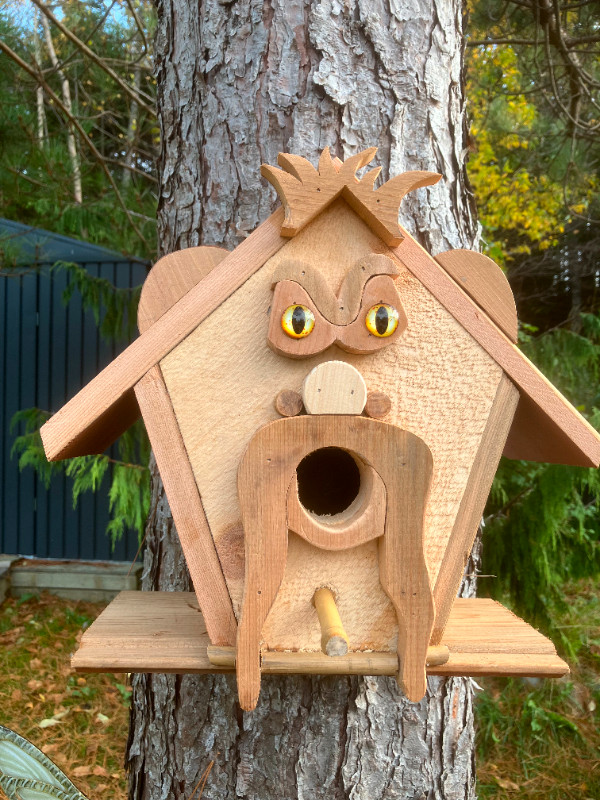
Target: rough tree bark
238, 82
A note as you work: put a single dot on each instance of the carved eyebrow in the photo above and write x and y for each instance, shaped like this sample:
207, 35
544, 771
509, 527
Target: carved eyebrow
344, 308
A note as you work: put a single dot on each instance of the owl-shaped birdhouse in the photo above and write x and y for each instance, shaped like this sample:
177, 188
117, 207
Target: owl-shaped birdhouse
327, 405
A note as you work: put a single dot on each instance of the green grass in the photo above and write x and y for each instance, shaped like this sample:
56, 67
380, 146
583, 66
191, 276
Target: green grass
543, 741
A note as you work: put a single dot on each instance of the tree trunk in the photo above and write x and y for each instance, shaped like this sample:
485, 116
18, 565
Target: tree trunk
239, 82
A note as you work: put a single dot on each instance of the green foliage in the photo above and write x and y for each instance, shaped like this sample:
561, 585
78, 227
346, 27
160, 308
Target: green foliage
542, 521
114, 309
129, 492
535, 176
121, 137
540, 738
532, 721
534, 90
117, 169
28, 445
519, 205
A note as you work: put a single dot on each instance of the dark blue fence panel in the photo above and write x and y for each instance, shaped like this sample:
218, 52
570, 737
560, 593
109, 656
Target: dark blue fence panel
47, 353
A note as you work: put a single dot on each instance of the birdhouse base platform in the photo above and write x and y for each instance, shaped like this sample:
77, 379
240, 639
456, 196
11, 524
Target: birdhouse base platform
165, 632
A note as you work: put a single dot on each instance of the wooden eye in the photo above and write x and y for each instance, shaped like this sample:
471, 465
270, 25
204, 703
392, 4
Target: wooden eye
298, 321
382, 320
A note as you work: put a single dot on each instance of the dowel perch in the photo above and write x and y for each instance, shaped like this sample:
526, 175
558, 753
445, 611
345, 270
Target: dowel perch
334, 641
358, 663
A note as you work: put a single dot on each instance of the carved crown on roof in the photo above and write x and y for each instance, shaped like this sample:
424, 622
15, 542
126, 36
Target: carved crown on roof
305, 191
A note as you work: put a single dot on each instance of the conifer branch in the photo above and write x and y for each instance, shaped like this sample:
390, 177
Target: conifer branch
136, 96
36, 75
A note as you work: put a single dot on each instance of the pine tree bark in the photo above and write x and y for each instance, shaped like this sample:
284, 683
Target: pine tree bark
239, 82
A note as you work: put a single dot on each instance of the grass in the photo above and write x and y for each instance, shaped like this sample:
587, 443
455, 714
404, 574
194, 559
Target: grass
535, 742
79, 721
541, 740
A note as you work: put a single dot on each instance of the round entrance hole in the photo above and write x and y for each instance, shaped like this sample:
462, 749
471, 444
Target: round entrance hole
328, 481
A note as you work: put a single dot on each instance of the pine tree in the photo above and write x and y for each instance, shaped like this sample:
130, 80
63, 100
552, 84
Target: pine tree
236, 85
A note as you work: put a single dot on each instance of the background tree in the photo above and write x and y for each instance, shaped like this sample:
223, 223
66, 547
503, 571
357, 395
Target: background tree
77, 115
535, 83
78, 140
236, 84
534, 89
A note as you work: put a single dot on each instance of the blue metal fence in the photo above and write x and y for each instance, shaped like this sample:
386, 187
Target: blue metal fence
47, 353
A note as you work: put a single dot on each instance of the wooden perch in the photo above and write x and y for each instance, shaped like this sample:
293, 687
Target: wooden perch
334, 641
275, 662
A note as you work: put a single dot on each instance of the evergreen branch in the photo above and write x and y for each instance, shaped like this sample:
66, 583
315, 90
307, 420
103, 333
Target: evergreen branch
139, 25
495, 41
137, 171
129, 492
36, 75
119, 304
502, 512
492, 40
28, 178
96, 59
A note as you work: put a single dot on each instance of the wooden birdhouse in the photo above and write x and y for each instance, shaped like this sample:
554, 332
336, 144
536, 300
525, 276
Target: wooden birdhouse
327, 405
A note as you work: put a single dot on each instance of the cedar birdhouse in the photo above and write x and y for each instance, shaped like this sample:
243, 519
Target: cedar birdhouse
327, 405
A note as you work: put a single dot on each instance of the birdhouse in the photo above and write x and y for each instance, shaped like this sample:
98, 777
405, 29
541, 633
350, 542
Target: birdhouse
327, 405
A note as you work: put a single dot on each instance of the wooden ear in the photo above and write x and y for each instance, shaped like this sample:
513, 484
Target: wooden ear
173, 276
483, 280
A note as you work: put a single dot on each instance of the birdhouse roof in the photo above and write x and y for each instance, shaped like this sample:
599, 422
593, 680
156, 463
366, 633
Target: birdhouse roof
546, 426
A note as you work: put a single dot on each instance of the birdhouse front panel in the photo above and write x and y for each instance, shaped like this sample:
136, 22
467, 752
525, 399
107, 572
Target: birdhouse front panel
223, 381
327, 405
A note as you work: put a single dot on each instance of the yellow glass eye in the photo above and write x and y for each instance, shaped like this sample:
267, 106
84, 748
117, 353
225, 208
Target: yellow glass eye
297, 321
382, 320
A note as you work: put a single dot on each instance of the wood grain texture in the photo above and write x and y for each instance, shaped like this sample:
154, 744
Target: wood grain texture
483, 280
334, 387
165, 632
378, 405
106, 407
341, 307
275, 662
290, 293
473, 503
404, 463
334, 640
287, 73
442, 394
535, 436
169, 280
186, 505
172, 277
356, 337
305, 191
570, 439
352, 336
288, 403
361, 522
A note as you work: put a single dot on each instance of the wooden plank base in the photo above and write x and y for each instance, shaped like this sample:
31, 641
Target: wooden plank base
165, 632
